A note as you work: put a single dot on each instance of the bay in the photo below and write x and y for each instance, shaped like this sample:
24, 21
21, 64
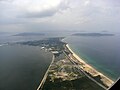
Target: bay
22, 67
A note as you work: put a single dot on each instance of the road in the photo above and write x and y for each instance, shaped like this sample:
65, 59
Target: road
85, 72
45, 76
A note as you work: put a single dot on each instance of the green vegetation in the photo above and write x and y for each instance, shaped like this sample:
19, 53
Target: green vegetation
78, 84
53, 43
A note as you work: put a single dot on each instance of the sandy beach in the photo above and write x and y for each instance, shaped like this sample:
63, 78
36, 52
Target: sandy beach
89, 69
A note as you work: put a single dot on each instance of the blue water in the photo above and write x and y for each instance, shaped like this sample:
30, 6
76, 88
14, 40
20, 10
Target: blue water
103, 53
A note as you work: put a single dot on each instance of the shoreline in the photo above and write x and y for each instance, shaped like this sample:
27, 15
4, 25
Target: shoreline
89, 69
45, 76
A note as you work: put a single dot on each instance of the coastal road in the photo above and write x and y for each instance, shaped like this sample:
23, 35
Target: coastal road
85, 72
45, 76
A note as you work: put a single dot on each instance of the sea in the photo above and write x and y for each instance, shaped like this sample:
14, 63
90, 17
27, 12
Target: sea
22, 67
102, 52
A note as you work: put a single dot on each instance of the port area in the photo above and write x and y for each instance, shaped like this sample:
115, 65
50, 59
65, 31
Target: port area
65, 72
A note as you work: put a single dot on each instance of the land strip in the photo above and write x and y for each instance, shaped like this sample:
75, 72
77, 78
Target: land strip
67, 71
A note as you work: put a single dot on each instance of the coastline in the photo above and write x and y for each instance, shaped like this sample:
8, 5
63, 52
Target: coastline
89, 69
45, 76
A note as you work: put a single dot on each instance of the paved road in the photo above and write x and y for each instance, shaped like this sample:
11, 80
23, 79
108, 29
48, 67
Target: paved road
45, 76
81, 70
85, 72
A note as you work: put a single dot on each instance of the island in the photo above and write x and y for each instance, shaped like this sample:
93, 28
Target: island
67, 71
93, 34
29, 34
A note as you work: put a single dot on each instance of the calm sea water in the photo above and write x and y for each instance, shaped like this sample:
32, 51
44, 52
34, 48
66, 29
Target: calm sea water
103, 53
22, 67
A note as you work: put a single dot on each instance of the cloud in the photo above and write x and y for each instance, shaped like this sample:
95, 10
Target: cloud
20, 11
87, 2
6, 0
41, 14
47, 11
59, 14
10, 21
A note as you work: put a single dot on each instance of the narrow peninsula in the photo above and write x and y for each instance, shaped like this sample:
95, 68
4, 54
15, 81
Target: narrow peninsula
67, 71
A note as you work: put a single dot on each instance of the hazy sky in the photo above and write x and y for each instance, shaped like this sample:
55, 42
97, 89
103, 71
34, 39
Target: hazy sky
45, 15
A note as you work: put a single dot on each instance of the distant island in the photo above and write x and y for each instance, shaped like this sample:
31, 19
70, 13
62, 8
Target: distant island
93, 34
29, 34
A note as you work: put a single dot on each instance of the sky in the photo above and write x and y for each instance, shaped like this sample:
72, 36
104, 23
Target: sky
59, 15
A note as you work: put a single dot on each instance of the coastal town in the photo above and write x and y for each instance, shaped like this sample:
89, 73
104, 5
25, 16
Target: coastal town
67, 71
